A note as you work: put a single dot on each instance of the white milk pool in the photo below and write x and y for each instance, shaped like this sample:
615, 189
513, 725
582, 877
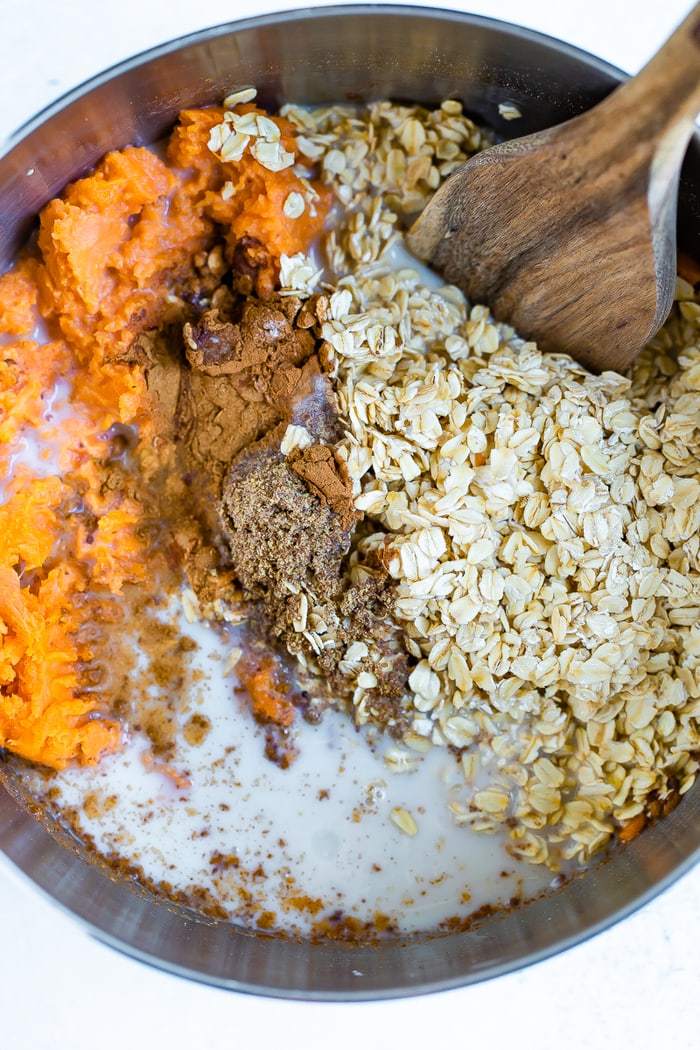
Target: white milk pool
303, 850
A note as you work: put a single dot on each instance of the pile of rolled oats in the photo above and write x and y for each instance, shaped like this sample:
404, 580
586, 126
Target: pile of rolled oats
544, 523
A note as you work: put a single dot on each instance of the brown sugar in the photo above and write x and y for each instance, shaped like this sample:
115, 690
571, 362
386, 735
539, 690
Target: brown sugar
249, 362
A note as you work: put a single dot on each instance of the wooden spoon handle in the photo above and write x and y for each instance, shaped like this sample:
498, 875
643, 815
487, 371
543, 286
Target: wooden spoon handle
654, 113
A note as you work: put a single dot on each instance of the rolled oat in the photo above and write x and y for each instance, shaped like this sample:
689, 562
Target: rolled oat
542, 523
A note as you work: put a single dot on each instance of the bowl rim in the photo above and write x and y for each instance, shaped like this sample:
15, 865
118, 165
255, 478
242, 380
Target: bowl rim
211, 32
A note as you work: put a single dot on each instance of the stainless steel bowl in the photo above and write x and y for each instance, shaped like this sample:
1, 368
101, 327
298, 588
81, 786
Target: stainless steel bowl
315, 56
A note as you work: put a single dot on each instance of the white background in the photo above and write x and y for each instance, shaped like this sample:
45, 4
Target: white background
633, 986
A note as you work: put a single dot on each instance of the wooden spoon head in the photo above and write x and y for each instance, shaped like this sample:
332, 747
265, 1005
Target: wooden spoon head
560, 248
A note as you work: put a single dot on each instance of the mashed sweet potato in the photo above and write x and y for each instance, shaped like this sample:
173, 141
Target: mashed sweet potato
255, 207
18, 292
42, 715
111, 255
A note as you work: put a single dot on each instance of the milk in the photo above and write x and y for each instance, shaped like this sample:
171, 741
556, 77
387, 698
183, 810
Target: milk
290, 847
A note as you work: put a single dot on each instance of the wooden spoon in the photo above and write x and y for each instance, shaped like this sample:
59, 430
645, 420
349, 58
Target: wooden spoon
569, 234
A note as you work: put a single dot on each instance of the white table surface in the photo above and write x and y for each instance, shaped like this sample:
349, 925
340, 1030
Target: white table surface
635, 985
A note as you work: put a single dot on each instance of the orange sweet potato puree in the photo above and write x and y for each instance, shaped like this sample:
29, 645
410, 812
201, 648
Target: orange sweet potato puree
269, 697
256, 208
109, 252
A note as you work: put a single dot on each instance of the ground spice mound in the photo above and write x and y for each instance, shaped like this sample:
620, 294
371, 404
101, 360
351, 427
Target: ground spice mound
247, 363
264, 511
227, 381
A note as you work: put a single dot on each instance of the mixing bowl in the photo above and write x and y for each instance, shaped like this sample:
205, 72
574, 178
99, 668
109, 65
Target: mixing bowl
315, 56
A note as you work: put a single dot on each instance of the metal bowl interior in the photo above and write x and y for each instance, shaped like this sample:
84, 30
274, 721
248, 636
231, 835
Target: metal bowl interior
313, 56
